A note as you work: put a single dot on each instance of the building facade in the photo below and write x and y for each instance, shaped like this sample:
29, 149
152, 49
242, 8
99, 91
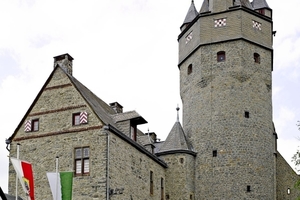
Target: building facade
224, 149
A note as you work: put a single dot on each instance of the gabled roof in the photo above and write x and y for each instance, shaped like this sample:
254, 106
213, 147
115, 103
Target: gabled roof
258, 4
101, 109
176, 140
191, 14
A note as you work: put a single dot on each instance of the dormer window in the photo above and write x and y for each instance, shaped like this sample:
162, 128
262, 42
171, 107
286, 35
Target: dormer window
221, 56
133, 131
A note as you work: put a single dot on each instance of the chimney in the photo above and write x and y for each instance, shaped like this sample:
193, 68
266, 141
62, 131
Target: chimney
117, 107
65, 62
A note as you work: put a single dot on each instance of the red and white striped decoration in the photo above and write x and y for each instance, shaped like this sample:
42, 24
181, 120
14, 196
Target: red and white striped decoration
83, 118
27, 126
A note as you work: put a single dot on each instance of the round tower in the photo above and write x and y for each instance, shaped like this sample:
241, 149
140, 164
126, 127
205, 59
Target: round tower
225, 63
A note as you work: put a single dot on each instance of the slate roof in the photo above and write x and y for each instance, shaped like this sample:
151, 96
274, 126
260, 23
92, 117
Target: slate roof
176, 140
205, 6
11, 197
245, 3
191, 15
101, 109
258, 4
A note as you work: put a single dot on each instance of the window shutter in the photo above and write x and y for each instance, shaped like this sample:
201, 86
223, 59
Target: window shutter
27, 127
83, 118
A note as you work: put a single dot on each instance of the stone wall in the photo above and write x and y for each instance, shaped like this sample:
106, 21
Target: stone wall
129, 170
286, 179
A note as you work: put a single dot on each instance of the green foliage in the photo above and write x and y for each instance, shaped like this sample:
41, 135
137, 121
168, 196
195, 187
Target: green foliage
296, 160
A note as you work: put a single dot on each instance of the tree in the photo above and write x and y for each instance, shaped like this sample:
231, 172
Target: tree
296, 160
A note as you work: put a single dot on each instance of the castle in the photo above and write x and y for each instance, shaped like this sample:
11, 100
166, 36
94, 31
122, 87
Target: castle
224, 149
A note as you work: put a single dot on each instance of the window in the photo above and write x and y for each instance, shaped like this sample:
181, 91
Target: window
82, 161
256, 58
248, 188
76, 119
247, 114
31, 125
162, 190
35, 125
221, 56
133, 131
151, 182
190, 69
215, 153
79, 118
261, 11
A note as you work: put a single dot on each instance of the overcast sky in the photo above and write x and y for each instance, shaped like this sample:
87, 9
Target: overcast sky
125, 51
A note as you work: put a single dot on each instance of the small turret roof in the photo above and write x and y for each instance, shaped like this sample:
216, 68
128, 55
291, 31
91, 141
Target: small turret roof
176, 140
192, 14
257, 4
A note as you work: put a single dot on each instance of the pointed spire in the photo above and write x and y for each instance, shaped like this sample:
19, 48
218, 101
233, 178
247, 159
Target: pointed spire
177, 113
191, 15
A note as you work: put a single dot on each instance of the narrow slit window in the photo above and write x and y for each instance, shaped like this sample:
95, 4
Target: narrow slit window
162, 189
247, 114
221, 57
248, 188
215, 153
151, 183
190, 69
256, 58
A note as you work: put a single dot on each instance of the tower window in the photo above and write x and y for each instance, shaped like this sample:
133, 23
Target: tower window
261, 11
247, 114
256, 58
190, 69
248, 188
151, 183
215, 153
221, 56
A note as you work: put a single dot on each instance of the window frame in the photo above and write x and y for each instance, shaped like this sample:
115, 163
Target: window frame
75, 121
82, 159
35, 122
256, 58
221, 56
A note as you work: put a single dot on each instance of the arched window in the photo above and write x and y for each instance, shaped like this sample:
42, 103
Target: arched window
190, 69
256, 57
221, 56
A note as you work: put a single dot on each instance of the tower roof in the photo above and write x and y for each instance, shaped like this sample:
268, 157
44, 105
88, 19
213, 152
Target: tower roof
258, 4
191, 15
176, 140
245, 3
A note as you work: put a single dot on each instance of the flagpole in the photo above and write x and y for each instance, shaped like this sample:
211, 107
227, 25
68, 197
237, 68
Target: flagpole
18, 152
56, 170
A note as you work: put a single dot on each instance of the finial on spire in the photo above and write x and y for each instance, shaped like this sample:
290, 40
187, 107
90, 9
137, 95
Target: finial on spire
177, 113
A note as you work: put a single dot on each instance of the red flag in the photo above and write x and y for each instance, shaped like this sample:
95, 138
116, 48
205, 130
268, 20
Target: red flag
25, 175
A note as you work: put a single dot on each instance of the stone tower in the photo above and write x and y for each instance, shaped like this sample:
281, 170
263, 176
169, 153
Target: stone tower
225, 63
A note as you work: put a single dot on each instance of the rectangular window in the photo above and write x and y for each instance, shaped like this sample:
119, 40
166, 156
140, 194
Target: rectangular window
35, 125
76, 119
162, 190
151, 183
248, 188
215, 153
82, 161
247, 114
133, 131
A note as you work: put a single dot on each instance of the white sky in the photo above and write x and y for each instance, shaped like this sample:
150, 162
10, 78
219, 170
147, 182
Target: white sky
125, 51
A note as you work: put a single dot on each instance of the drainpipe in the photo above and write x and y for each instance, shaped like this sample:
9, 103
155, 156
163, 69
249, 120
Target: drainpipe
107, 162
